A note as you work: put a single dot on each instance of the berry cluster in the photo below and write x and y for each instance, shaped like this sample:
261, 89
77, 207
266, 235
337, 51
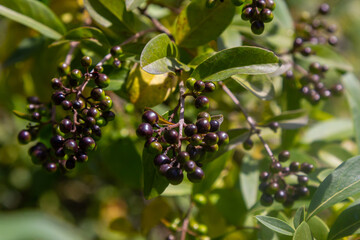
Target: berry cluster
273, 184
166, 142
76, 134
258, 13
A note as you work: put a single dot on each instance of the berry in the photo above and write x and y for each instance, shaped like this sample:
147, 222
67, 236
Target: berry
170, 237
280, 196
190, 130
294, 166
66, 104
337, 89
65, 125
266, 15
150, 117
98, 94
78, 104
98, 69
205, 115
70, 146
70, 163
214, 125
272, 188
324, 9
117, 63
93, 112
264, 176
106, 104
57, 141
199, 86
237, 2
63, 69
190, 166
261, 3
102, 80
274, 126
202, 102
144, 130
35, 116
284, 156
171, 136
51, 167
196, 176
306, 51
298, 42
108, 115
247, 13
86, 61
203, 125
266, 200
223, 138
211, 138
82, 157
175, 175
257, 27
76, 74
183, 157
164, 168
200, 199
333, 40
116, 51
275, 167
303, 180
58, 97
307, 168
209, 87
196, 139
87, 144
303, 191
56, 83
270, 4
212, 148
155, 147
24, 137
90, 121
248, 144
161, 159
190, 82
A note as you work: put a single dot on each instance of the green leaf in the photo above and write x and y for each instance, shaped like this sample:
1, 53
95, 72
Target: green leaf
230, 38
299, 216
87, 33
249, 180
352, 89
339, 185
289, 119
22, 115
118, 78
153, 183
318, 228
240, 60
198, 24
276, 225
33, 14
282, 15
347, 222
333, 155
259, 85
334, 129
303, 232
159, 56
153, 213
133, 4
36, 225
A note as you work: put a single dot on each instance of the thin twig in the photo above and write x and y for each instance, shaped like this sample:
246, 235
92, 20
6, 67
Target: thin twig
184, 228
156, 23
182, 111
69, 55
137, 35
249, 119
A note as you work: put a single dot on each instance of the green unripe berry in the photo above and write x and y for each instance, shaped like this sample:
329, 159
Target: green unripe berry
190, 83
102, 80
101, 121
76, 74
99, 68
205, 115
106, 104
86, 61
98, 94
200, 199
155, 148
116, 51
63, 69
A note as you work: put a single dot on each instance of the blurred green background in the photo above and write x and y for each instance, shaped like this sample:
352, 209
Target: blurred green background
100, 199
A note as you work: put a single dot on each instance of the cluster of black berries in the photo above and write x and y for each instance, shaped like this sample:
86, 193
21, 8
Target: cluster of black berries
258, 13
314, 30
116, 53
74, 135
273, 183
165, 142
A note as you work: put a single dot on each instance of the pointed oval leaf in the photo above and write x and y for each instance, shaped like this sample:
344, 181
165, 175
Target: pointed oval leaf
259, 85
249, 180
318, 228
276, 225
22, 115
159, 56
133, 4
299, 216
339, 185
303, 232
33, 14
240, 60
197, 24
87, 33
347, 222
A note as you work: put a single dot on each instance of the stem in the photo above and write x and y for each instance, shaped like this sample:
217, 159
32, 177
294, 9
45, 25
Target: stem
184, 228
249, 119
73, 46
156, 23
182, 110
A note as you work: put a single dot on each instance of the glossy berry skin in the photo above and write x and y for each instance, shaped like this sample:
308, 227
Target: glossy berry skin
223, 138
272, 188
307, 168
66, 125
117, 63
150, 117
97, 94
76, 74
205, 115
199, 86
56, 83
266, 15
266, 200
190, 166
70, 163
209, 87
87, 144
93, 112
57, 141
144, 130
161, 159
155, 147
190, 82
248, 144
58, 97
102, 80
190, 130
270, 4
66, 104
63, 69
211, 138
280, 196
106, 104
90, 121
303, 180
306, 51
24, 137
214, 125
116, 51
247, 13
324, 9
274, 126
86, 61
202, 102
200, 199
98, 69
70, 146
303, 191
82, 157
108, 115
78, 104
284, 156
264, 176
183, 157
257, 27
212, 148
196, 176
174, 175
294, 166
164, 168
36, 116
196, 139
275, 167
51, 167
203, 125
171, 136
